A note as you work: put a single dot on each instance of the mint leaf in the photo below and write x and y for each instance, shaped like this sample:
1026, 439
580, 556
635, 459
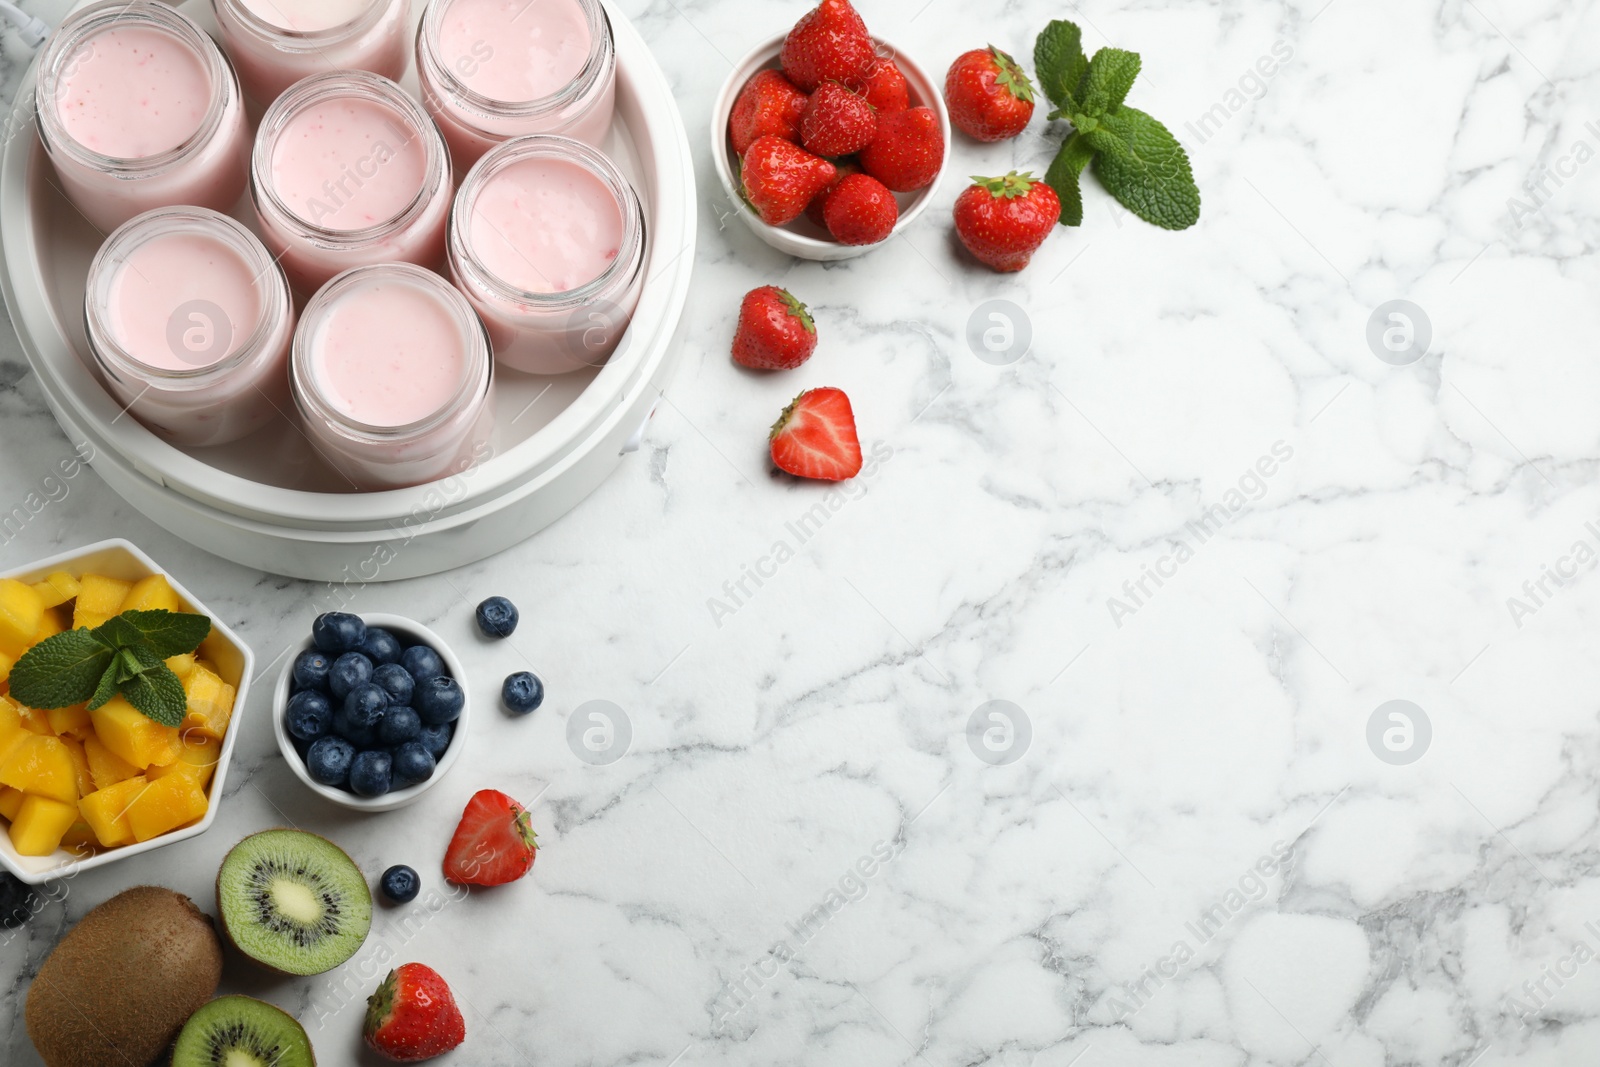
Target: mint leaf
106, 689
60, 671
1059, 63
1149, 171
117, 632
158, 694
167, 633
1063, 177
1110, 76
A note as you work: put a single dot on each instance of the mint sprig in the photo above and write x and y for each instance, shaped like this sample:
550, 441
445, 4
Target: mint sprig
126, 654
1136, 158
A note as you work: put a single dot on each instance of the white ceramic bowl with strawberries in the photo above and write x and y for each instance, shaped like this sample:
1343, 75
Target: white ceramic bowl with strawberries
121, 561
802, 237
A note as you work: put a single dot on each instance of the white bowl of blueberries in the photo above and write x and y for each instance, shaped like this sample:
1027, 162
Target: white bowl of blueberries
369, 711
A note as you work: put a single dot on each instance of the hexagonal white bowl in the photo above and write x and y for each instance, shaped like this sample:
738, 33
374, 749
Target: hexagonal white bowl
403, 628
802, 237
233, 659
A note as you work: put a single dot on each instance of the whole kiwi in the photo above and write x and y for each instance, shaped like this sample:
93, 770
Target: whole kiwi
119, 987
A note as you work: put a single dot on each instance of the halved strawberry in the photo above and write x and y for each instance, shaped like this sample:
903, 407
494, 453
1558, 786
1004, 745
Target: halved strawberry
493, 844
815, 437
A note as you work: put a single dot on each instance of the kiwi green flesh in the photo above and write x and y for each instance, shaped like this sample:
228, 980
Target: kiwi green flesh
293, 901
242, 1032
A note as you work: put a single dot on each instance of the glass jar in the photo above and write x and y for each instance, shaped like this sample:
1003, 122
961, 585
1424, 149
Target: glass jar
349, 171
275, 43
547, 240
492, 70
139, 109
190, 321
393, 377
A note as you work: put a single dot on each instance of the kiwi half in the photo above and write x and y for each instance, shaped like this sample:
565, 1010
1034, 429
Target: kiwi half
293, 901
242, 1032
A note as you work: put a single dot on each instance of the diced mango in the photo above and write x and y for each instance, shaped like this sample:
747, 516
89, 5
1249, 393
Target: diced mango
210, 702
182, 665
11, 730
151, 594
36, 721
166, 805
80, 765
57, 589
50, 624
40, 824
138, 740
10, 801
79, 838
105, 766
43, 766
6, 663
99, 598
106, 811
21, 612
198, 758
70, 722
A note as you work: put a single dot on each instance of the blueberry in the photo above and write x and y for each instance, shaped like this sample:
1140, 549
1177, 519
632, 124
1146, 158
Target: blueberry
381, 646
16, 901
370, 773
497, 617
439, 700
400, 884
522, 693
348, 671
413, 763
336, 633
437, 738
311, 670
396, 681
423, 662
309, 715
358, 717
329, 760
399, 725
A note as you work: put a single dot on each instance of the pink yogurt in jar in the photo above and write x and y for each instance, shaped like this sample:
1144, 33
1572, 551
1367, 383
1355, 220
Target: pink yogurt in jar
492, 70
548, 242
350, 171
139, 110
190, 321
275, 43
393, 377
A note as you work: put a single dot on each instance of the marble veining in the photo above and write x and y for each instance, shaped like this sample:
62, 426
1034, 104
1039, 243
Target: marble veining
1196, 538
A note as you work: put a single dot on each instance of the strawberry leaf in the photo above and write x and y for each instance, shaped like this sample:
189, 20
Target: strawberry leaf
1011, 76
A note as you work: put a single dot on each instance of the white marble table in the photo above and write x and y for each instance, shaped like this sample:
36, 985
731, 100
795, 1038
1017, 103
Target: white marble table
1199, 534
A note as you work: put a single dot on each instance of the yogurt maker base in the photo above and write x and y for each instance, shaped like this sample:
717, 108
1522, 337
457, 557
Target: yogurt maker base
270, 506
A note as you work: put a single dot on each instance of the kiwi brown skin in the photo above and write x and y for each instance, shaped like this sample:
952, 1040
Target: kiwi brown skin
224, 926
117, 989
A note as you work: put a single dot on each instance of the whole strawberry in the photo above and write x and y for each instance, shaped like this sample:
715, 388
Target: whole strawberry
493, 844
829, 43
837, 122
860, 211
1003, 221
412, 1016
886, 87
776, 331
908, 151
814, 210
768, 104
815, 437
989, 96
780, 178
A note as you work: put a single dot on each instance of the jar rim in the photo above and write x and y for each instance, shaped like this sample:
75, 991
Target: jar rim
332, 85
305, 40
432, 65
620, 272
276, 304
477, 372
98, 18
